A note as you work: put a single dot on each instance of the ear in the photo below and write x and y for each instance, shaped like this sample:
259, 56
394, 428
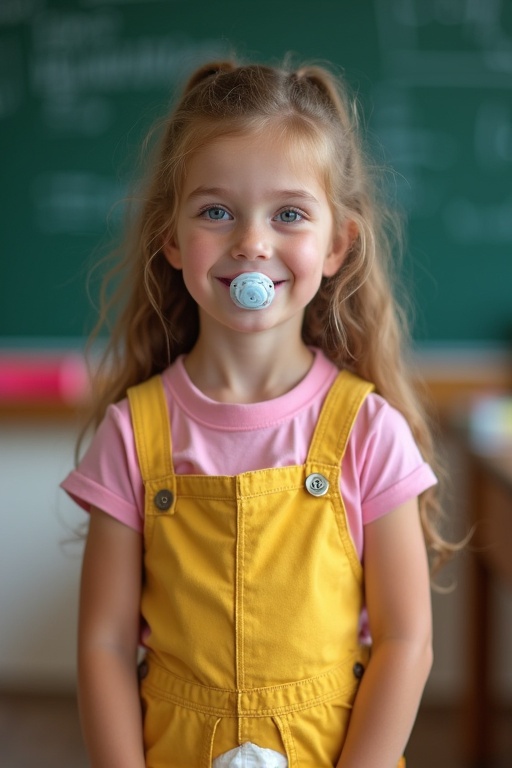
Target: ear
342, 241
172, 252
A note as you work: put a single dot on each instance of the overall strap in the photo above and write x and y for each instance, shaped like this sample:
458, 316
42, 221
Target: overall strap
151, 428
337, 418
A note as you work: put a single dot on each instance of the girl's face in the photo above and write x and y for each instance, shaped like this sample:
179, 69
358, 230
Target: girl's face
250, 203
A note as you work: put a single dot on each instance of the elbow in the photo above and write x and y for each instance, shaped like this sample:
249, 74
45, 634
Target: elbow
420, 660
430, 655
414, 653
421, 644
427, 658
423, 654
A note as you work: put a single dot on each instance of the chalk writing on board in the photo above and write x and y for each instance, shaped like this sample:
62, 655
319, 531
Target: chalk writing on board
414, 148
487, 224
11, 78
94, 3
493, 135
477, 20
79, 61
18, 11
415, 118
74, 201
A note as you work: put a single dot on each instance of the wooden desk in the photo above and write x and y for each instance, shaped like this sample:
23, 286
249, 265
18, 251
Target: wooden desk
490, 501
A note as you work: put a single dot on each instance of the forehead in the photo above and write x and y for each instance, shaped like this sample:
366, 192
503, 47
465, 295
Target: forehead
284, 153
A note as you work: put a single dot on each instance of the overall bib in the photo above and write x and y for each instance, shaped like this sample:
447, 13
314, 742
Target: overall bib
252, 591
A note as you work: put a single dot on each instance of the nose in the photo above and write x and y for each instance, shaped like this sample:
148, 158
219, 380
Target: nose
251, 242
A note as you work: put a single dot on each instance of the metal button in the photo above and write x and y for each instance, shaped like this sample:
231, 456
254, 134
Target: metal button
163, 500
358, 670
317, 485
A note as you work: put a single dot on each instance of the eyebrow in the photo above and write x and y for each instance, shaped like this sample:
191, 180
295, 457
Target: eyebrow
220, 192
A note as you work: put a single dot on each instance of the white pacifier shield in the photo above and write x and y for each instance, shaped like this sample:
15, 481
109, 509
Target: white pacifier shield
252, 290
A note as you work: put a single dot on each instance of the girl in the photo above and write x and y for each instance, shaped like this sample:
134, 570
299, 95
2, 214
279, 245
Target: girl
252, 497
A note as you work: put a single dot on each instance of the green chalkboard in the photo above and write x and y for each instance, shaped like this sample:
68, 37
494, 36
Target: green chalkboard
80, 82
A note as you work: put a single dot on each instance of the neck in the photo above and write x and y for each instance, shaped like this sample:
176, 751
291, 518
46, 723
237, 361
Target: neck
247, 368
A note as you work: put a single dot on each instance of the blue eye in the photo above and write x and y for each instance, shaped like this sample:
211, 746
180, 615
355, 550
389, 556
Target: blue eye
289, 216
215, 214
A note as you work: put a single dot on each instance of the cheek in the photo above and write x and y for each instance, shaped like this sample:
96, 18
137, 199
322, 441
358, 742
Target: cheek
309, 257
197, 253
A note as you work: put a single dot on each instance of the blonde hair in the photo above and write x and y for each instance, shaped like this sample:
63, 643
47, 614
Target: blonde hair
354, 318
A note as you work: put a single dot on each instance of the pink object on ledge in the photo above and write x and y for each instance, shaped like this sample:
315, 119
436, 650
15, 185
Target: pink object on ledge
39, 377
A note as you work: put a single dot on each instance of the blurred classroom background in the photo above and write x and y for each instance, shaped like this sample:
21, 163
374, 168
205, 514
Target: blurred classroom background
80, 83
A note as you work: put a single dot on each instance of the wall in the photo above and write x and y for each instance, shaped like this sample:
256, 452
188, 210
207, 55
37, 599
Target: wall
39, 573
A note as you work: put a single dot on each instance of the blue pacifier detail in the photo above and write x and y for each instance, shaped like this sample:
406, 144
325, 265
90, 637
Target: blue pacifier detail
252, 290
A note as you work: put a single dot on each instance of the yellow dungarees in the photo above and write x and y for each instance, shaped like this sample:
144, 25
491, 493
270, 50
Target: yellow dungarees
252, 591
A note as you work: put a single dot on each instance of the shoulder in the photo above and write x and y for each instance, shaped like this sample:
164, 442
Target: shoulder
111, 453
382, 437
115, 427
385, 458
107, 475
377, 420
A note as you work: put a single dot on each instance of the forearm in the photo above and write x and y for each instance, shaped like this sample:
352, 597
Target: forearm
386, 704
110, 708
108, 634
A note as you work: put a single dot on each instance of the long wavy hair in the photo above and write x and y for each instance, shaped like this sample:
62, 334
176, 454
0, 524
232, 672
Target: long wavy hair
354, 318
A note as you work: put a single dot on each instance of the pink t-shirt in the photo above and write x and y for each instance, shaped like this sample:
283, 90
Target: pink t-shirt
382, 467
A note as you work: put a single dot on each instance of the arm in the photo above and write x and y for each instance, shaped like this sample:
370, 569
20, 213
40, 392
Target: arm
108, 636
399, 609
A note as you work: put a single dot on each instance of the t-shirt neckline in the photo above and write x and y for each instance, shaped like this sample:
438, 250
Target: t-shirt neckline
243, 416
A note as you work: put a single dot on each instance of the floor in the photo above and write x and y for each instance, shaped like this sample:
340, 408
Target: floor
43, 732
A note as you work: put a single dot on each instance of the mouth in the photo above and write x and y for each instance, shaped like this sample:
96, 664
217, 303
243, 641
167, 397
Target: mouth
228, 280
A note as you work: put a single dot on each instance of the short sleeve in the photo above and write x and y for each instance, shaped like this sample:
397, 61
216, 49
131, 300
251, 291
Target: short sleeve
382, 467
390, 466
108, 476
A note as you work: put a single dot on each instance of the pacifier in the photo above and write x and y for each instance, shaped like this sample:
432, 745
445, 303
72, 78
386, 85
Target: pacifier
252, 290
